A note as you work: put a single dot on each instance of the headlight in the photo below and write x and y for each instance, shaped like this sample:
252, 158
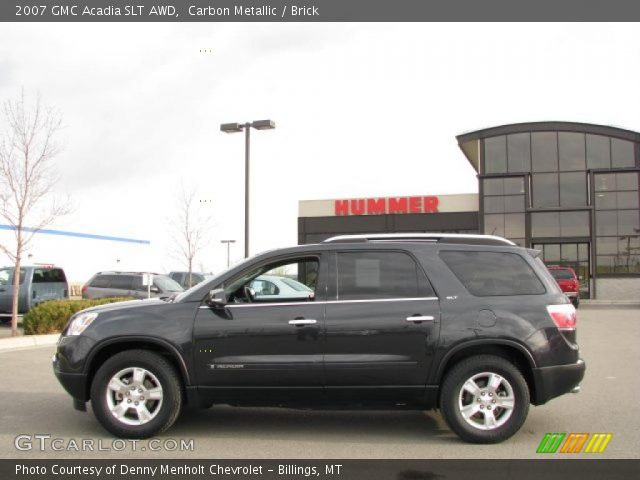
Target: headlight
80, 323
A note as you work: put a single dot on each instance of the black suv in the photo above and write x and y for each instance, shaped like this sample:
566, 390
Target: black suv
470, 324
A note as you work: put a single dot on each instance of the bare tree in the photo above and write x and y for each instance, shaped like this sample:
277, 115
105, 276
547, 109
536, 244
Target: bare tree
27, 148
192, 229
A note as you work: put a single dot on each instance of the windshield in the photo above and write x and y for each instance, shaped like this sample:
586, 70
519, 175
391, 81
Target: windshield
561, 274
166, 284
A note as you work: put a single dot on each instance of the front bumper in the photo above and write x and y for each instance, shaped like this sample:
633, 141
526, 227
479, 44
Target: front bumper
74, 383
551, 382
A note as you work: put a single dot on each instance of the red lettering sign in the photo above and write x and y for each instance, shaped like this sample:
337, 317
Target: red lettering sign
342, 207
415, 204
431, 204
397, 205
376, 206
357, 207
381, 206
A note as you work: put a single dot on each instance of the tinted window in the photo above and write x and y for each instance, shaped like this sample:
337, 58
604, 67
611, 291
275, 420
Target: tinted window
571, 147
495, 155
574, 224
493, 273
545, 224
545, 189
519, 152
53, 275
101, 281
622, 153
544, 152
122, 282
373, 275
573, 189
598, 152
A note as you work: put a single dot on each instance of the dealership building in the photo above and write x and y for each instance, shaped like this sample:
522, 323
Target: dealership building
567, 189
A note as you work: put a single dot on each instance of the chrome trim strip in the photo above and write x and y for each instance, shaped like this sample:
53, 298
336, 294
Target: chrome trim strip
303, 321
324, 302
420, 318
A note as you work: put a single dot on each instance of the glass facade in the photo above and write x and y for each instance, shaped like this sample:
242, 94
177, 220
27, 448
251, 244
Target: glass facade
617, 212
570, 189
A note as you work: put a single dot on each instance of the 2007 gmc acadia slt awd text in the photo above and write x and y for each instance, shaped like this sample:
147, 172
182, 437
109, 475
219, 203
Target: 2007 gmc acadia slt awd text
470, 324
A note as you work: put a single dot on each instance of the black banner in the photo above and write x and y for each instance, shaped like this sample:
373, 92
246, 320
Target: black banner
316, 10
542, 469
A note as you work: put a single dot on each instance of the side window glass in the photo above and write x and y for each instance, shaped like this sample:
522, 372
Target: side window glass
493, 273
39, 276
122, 282
378, 275
285, 281
100, 282
136, 284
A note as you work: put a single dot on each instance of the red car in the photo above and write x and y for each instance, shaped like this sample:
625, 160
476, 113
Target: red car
568, 282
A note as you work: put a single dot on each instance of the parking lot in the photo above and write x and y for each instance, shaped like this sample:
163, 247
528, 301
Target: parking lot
33, 403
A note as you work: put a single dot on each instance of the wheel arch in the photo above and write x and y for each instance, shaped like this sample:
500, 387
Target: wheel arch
507, 349
108, 348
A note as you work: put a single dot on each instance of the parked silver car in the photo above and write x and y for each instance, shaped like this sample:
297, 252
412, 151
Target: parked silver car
183, 278
38, 283
128, 284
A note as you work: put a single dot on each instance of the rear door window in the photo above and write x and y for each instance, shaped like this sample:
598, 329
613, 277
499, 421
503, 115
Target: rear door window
493, 273
48, 275
379, 275
121, 282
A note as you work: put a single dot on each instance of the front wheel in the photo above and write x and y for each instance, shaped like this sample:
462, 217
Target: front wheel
484, 399
136, 394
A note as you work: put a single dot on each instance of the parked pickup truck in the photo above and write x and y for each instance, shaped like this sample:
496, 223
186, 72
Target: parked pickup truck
38, 284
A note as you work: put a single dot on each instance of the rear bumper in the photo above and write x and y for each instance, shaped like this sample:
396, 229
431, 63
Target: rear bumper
551, 382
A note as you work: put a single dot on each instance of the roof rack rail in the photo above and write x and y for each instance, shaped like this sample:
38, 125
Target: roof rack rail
469, 239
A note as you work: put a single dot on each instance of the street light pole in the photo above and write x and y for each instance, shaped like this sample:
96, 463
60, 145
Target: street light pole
228, 242
238, 127
247, 134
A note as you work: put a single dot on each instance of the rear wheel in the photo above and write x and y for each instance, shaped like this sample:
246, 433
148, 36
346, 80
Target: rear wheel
136, 394
484, 399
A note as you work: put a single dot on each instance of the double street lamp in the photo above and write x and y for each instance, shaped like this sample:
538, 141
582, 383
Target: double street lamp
239, 127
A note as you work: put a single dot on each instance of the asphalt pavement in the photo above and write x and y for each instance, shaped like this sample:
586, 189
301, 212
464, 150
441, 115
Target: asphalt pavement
35, 405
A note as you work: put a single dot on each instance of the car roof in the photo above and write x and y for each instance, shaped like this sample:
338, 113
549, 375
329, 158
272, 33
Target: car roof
128, 273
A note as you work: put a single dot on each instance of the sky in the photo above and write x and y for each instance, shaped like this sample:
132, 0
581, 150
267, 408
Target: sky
362, 110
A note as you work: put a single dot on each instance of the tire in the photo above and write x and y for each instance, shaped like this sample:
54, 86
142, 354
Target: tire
486, 372
120, 407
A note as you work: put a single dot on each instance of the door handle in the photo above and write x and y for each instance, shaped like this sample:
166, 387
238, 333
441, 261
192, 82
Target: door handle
302, 321
420, 318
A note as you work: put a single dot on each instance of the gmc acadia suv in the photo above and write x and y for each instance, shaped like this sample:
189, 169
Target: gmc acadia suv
470, 324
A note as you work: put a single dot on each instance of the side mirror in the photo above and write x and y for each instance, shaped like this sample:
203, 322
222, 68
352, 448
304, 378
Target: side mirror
217, 298
154, 289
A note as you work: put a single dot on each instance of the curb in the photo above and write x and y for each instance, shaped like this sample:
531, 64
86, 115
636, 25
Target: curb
28, 341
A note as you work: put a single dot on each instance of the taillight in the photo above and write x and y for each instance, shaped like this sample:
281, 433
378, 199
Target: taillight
564, 316
84, 287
